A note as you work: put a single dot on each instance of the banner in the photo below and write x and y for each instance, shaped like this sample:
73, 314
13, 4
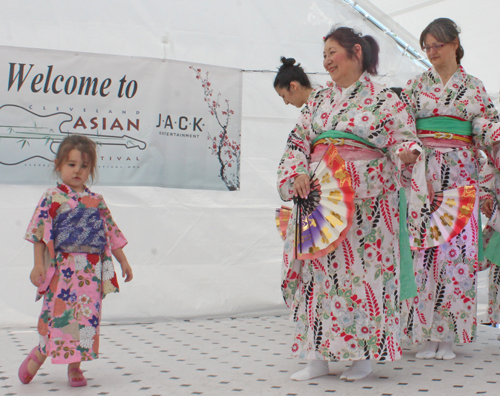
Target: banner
156, 122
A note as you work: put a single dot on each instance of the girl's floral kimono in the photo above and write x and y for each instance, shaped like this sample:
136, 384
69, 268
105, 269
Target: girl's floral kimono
346, 303
445, 307
79, 234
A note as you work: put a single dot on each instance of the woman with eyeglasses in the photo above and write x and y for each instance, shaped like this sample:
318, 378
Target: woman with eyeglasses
344, 299
454, 118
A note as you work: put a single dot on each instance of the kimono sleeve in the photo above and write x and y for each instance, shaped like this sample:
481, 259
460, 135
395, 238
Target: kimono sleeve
40, 230
295, 160
403, 137
401, 127
115, 237
40, 226
486, 180
486, 124
408, 97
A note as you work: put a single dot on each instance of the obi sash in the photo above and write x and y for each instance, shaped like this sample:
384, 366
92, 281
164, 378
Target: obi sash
408, 287
337, 138
80, 230
444, 127
492, 250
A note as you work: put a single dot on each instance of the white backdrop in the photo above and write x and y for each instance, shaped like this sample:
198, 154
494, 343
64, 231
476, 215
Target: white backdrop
194, 253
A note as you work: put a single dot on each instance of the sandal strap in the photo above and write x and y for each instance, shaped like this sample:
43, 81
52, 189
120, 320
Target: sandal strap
32, 356
75, 369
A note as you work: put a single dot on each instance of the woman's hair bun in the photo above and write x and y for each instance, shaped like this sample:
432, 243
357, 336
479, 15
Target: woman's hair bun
287, 61
288, 72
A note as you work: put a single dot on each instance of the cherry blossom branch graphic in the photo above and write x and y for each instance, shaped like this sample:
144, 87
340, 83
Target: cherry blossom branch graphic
227, 151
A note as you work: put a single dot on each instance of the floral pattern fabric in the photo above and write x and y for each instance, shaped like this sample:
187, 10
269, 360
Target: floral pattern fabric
346, 304
76, 282
445, 307
490, 183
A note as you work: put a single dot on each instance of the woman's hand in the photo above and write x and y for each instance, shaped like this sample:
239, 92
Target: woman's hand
302, 186
409, 157
487, 208
37, 276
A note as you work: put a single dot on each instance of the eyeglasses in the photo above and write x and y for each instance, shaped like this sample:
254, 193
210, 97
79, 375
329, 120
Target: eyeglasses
436, 47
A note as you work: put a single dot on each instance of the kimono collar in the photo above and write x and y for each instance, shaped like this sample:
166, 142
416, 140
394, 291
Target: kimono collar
459, 74
68, 190
313, 93
364, 79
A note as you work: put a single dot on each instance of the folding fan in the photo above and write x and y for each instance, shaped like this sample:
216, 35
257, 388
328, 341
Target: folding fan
322, 220
450, 213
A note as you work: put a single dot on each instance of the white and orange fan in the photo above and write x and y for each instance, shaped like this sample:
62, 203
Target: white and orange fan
450, 213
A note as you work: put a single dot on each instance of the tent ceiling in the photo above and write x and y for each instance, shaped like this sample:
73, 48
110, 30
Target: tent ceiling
268, 30
394, 9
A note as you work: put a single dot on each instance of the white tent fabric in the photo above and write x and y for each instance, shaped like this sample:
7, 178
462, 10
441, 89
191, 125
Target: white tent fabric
194, 253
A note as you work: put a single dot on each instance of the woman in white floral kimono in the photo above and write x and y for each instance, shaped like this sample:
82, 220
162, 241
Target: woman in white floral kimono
454, 118
346, 303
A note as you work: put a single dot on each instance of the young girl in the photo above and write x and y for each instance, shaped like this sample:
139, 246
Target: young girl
74, 236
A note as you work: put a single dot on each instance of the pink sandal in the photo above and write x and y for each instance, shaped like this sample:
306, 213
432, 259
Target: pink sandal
77, 382
24, 375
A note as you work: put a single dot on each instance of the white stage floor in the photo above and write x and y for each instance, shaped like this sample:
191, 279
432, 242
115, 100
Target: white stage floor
243, 356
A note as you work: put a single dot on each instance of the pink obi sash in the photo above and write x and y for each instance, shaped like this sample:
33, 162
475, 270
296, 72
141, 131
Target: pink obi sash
347, 152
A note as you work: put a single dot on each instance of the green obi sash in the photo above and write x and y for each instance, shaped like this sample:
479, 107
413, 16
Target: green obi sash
493, 248
445, 124
333, 134
408, 286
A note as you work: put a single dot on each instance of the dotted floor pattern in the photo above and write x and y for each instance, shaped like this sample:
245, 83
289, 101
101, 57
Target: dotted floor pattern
243, 356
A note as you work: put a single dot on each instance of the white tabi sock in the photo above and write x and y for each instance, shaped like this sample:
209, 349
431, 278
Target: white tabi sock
314, 368
445, 351
359, 369
427, 350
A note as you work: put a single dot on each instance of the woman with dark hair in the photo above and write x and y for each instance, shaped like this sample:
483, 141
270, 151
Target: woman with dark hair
345, 302
454, 118
292, 84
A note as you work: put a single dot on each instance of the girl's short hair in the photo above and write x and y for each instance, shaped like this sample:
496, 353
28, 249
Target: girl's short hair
444, 30
347, 39
84, 145
289, 72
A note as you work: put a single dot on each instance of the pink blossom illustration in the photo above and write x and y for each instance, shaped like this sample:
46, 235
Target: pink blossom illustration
226, 150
